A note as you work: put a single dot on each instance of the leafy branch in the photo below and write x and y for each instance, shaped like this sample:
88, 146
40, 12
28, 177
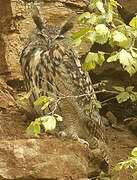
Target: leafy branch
49, 121
125, 94
130, 163
101, 28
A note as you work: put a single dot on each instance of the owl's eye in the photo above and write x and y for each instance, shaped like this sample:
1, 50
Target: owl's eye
39, 35
60, 37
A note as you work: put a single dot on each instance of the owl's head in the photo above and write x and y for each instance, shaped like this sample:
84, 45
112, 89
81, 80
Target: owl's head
49, 32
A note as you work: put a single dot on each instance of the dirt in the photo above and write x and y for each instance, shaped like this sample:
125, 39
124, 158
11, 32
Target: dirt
14, 118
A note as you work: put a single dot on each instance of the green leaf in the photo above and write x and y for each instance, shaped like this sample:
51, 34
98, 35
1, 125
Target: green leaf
92, 6
119, 166
134, 152
133, 97
115, 3
101, 20
122, 97
76, 42
126, 44
127, 164
49, 123
83, 17
135, 94
120, 39
81, 33
34, 127
127, 61
131, 162
93, 19
100, 7
102, 33
129, 88
45, 105
109, 17
113, 58
58, 117
92, 104
101, 58
91, 35
90, 60
101, 83
26, 96
135, 174
41, 99
131, 70
133, 22
119, 88
135, 33
133, 53
97, 103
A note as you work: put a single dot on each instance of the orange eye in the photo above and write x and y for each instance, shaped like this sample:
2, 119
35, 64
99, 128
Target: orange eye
39, 35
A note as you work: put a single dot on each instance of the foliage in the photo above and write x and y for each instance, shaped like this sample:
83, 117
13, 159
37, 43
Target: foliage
26, 96
99, 84
101, 28
48, 121
92, 104
131, 162
125, 94
44, 101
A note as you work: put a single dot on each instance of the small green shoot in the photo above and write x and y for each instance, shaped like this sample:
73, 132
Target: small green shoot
131, 162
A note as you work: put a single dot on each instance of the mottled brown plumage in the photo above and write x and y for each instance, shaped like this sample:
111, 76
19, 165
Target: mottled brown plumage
54, 69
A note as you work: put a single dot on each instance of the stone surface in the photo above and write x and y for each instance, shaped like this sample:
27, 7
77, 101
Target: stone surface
131, 123
111, 117
5, 22
47, 158
105, 121
130, 6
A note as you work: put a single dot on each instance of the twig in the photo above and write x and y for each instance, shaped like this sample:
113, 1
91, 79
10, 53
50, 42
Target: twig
107, 100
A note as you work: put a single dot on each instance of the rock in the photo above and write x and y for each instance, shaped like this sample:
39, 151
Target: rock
113, 121
47, 158
105, 121
111, 117
5, 21
6, 99
131, 123
128, 10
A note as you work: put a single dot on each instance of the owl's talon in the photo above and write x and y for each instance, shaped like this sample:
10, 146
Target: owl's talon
74, 137
82, 141
62, 133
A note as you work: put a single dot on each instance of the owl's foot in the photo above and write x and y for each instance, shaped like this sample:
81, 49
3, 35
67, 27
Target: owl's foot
74, 137
82, 141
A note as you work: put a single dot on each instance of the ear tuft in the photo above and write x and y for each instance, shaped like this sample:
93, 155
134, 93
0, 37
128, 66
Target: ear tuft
36, 18
67, 26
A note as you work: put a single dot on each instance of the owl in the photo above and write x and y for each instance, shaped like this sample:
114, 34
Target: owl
52, 69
